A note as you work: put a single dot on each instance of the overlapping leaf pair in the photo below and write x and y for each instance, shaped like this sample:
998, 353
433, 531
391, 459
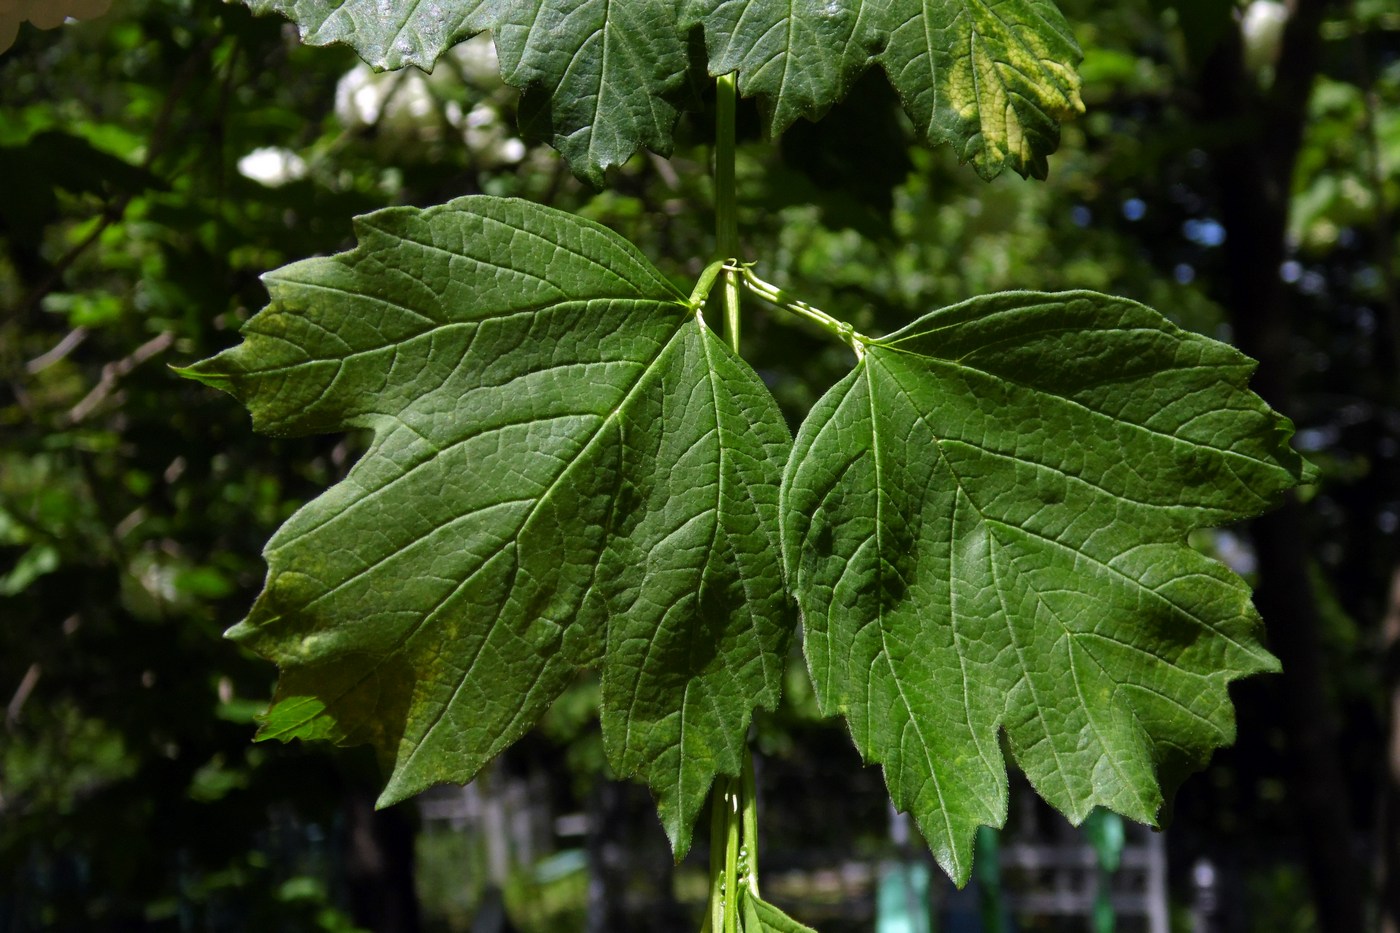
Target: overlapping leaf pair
603, 78
983, 525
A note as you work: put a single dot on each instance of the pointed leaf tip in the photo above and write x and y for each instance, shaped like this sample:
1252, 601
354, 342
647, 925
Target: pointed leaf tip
962, 569
563, 456
601, 80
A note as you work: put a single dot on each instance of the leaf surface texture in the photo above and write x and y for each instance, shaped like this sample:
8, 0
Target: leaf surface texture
985, 527
603, 78
567, 469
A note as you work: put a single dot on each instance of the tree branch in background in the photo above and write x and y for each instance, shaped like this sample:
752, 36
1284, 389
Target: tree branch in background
1259, 135
116, 209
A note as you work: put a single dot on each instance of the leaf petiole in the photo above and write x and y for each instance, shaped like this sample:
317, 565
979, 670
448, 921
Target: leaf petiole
733, 831
779, 299
748, 793
703, 285
726, 200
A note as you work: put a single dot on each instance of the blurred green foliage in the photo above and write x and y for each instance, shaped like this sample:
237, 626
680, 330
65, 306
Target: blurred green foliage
133, 504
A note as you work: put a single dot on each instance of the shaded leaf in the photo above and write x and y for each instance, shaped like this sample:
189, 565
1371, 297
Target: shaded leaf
799, 58
567, 468
599, 77
387, 34
984, 526
991, 77
602, 79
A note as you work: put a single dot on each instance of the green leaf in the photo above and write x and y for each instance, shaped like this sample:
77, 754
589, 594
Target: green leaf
992, 77
985, 528
567, 468
701, 627
798, 58
599, 77
602, 79
387, 34
762, 917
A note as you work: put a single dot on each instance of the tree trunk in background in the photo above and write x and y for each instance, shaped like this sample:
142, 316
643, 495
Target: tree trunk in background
630, 866
1257, 136
379, 863
607, 880
1389, 829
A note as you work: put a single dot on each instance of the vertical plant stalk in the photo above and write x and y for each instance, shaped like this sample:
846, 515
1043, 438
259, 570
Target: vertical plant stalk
726, 201
748, 811
733, 830
728, 824
733, 815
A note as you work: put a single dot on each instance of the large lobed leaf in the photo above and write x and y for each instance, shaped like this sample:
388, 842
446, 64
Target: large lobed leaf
985, 527
567, 469
601, 78
992, 77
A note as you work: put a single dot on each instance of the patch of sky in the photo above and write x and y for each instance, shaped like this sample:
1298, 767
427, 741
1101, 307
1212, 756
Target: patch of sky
1204, 232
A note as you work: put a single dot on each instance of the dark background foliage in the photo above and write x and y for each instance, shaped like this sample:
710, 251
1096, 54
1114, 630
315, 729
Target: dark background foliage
1244, 184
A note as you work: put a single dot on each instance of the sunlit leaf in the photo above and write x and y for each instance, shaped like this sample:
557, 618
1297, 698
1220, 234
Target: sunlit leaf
985, 527
567, 468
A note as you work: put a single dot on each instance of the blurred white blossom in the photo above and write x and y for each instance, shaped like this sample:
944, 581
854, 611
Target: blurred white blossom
272, 166
411, 107
1262, 26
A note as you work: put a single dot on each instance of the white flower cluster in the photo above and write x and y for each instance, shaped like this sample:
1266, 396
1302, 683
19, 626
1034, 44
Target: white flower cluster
415, 108
45, 14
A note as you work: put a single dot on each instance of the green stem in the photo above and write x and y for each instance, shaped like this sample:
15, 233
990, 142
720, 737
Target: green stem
732, 843
726, 201
705, 283
778, 298
748, 798
714, 920
732, 817
728, 827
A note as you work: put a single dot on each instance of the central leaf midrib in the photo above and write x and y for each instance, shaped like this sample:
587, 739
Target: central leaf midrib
449, 326
513, 537
910, 715
714, 537
994, 379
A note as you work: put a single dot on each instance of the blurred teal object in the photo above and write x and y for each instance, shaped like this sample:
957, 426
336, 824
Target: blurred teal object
1105, 832
986, 869
901, 904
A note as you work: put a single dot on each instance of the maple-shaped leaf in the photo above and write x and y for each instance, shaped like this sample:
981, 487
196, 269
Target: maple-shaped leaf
567, 468
603, 79
985, 527
798, 58
600, 79
992, 77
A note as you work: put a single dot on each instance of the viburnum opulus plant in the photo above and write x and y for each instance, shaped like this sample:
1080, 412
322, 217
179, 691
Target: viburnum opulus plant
982, 527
